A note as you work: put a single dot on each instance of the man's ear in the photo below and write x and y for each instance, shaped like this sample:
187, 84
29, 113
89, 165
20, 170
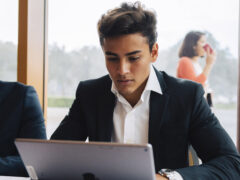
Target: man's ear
154, 52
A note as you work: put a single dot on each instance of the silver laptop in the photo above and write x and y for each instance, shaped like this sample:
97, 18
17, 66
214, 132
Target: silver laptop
76, 160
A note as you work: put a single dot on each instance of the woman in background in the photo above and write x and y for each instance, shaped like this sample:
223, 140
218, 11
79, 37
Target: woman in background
193, 48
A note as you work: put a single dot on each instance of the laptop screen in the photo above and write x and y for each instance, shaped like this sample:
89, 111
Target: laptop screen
58, 159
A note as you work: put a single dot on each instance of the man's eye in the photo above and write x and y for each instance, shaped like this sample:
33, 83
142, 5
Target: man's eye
112, 59
134, 58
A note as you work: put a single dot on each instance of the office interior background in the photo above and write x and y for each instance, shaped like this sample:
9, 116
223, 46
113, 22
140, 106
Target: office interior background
53, 44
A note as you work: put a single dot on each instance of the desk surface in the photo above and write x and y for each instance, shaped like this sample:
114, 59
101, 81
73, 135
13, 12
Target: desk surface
14, 178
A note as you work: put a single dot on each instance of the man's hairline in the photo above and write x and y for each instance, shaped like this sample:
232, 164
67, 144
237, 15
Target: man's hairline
147, 40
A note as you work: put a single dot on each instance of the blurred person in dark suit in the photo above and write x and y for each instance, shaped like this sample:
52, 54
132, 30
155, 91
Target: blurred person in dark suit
20, 117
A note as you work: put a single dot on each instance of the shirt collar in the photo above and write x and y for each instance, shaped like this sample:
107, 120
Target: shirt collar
153, 83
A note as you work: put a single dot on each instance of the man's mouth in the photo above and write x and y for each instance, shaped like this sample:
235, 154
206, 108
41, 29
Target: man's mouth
124, 81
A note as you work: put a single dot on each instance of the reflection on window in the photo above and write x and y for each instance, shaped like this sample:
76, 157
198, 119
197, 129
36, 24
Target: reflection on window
75, 53
8, 40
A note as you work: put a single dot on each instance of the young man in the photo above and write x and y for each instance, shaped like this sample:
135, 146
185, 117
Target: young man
20, 117
135, 103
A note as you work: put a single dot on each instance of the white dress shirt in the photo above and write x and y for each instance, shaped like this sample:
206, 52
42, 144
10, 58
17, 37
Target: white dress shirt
131, 123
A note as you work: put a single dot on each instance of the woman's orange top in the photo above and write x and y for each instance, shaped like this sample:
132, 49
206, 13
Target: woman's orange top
186, 70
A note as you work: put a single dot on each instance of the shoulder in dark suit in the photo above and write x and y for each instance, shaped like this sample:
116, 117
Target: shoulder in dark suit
20, 117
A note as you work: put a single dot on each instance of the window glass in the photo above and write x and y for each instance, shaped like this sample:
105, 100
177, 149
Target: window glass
8, 40
75, 53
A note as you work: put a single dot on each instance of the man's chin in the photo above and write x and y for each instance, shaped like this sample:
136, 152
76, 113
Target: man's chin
125, 92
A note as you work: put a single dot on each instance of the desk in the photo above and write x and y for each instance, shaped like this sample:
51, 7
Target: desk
14, 178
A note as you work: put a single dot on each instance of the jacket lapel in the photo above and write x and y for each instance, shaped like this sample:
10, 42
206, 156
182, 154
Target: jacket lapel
158, 106
106, 104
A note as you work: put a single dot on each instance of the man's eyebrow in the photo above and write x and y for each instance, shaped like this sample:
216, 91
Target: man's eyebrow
110, 53
131, 53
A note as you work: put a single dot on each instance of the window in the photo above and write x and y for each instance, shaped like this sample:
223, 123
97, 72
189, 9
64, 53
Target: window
8, 40
75, 53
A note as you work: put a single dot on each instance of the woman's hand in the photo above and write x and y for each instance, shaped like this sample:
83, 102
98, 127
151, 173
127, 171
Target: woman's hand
210, 57
210, 60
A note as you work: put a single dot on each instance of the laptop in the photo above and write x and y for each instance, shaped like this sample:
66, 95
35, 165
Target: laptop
77, 160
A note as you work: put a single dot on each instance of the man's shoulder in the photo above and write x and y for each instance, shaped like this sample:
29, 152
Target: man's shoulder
95, 85
13, 87
97, 81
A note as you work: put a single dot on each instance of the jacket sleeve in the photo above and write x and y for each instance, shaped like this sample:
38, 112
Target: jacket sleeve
185, 70
32, 126
213, 145
32, 122
12, 166
73, 126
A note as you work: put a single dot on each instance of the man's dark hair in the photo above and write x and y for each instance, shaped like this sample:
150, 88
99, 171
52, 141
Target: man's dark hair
190, 40
129, 18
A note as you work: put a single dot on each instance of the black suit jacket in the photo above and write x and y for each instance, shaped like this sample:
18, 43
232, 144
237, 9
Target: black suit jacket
20, 117
178, 117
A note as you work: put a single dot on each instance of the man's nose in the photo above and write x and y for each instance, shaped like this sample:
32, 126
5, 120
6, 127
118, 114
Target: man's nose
123, 67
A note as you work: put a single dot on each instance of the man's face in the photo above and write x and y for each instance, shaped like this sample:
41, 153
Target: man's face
128, 60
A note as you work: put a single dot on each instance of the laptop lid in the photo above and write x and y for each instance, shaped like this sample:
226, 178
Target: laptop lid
58, 159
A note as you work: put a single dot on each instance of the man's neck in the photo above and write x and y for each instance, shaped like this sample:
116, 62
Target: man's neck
136, 95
